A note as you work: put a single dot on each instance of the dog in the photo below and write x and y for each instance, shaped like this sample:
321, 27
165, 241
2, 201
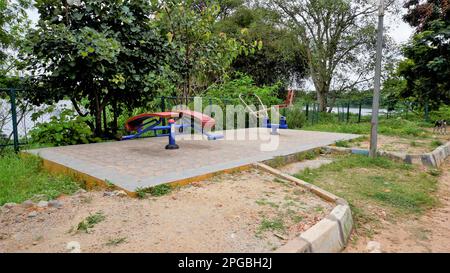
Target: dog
440, 126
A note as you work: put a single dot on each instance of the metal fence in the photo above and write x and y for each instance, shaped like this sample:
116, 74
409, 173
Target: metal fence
11, 139
344, 111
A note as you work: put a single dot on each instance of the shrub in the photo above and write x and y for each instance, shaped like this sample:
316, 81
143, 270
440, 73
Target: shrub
295, 117
244, 85
65, 129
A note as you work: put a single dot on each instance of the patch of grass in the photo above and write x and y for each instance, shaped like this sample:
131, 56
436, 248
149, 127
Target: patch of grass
276, 224
141, 193
116, 241
391, 127
343, 144
297, 218
370, 184
22, 177
309, 155
277, 162
436, 143
318, 209
265, 202
158, 190
109, 184
434, 172
90, 222
280, 181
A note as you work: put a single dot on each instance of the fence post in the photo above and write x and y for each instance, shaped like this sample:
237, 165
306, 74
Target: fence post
427, 114
307, 110
163, 109
318, 114
359, 112
348, 112
210, 108
12, 95
407, 110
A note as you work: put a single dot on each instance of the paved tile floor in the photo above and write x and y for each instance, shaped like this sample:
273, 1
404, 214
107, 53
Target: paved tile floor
145, 162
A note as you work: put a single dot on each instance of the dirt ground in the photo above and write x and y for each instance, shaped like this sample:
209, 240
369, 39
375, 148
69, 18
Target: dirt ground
243, 212
428, 233
405, 145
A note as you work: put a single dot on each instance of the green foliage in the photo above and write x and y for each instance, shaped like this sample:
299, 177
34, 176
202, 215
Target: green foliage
295, 117
427, 67
158, 190
65, 129
342, 143
22, 177
96, 53
90, 222
276, 224
281, 58
436, 143
442, 113
13, 24
338, 38
243, 84
203, 54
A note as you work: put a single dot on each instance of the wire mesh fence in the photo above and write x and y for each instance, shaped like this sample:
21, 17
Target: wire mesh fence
16, 112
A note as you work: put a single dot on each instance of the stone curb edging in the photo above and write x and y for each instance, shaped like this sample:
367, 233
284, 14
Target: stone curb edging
331, 234
433, 159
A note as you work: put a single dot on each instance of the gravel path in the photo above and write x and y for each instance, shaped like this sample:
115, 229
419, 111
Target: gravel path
238, 212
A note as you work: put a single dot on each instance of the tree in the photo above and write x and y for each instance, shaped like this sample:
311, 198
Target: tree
13, 24
421, 14
281, 57
204, 56
427, 67
339, 39
99, 53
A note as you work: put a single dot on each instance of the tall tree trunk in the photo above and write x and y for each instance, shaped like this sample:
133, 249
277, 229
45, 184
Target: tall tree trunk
98, 116
114, 126
322, 100
105, 122
322, 93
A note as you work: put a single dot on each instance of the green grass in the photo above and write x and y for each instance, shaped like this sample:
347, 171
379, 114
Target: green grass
276, 224
390, 127
343, 144
90, 222
23, 177
265, 202
380, 183
158, 190
436, 143
280, 161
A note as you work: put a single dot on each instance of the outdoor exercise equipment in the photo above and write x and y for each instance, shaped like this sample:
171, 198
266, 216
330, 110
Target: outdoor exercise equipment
180, 121
263, 113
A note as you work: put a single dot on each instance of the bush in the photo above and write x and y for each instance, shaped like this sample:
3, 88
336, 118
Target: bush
244, 85
295, 117
442, 113
65, 129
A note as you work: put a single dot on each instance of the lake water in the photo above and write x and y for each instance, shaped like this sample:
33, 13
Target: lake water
26, 124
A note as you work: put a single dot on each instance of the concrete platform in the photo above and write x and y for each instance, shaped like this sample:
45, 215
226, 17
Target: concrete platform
145, 163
